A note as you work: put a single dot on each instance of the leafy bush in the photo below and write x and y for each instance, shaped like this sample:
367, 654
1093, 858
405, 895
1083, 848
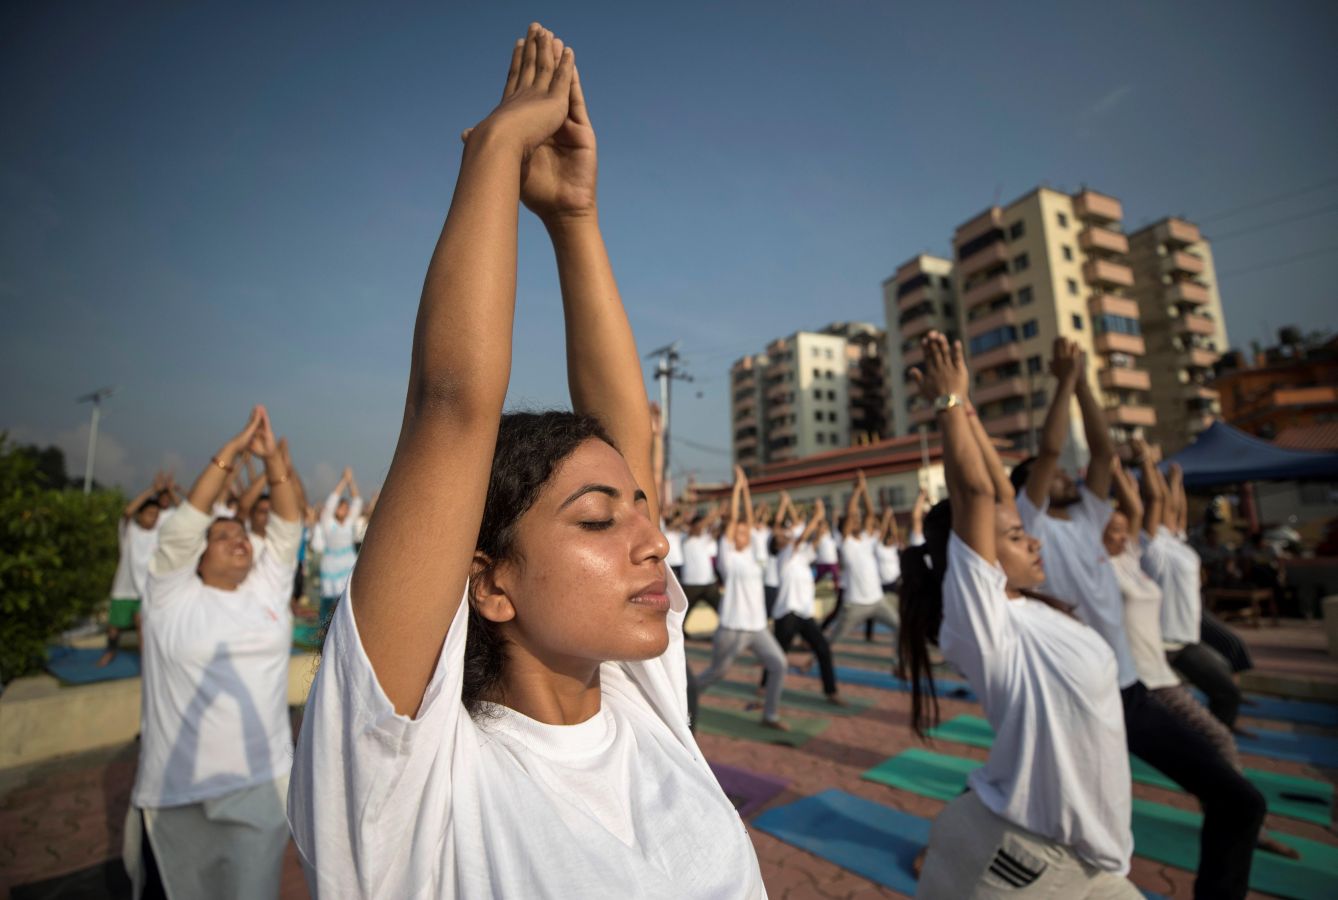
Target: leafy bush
58, 554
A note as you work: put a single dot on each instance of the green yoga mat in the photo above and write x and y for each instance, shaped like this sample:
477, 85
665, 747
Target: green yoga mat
805, 701
1288, 795
1161, 832
747, 726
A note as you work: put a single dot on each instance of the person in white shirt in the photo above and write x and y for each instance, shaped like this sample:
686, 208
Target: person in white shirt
699, 550
216, 742
743, 613
763, 523
863, 599
1049, 812
675, 533
827, 563
501, 707
1070, 521
136, 539
338, 534
795, 600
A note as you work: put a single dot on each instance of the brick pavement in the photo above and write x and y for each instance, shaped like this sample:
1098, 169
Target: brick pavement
65, 816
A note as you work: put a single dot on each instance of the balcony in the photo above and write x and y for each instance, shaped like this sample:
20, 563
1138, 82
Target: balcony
1111, 305
997, 357
988, 220
1200, 392
1204, 359
1094, 237
746, 421
999, 390
919, 325
783, 454
781, 408
1089, 205
919, 295
1000, 317
988, 290
1191, 323
1113, 377
1187, 292
778, 392
1114, 342
780, 431
913, 356
1184, 261
1009, 423
992, 255
745, 443
1131, 414
1105, 272
1181, 232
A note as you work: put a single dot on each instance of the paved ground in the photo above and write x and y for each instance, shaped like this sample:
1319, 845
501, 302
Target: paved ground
66, 817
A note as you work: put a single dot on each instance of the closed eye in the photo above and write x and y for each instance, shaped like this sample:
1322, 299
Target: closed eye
597, 525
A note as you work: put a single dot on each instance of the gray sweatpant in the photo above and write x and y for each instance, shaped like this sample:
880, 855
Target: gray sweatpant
852, 615
729, 643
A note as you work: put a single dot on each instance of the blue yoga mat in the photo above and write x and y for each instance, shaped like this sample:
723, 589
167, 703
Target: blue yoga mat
1306, 748
1304, 712
946, 687
79, 665
869, 839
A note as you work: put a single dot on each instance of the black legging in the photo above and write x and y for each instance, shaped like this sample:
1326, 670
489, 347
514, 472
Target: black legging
1213, 632
789, 625
1208, 671
1233, 808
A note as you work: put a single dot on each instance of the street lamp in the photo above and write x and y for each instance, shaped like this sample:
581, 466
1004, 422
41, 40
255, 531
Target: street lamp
96, 399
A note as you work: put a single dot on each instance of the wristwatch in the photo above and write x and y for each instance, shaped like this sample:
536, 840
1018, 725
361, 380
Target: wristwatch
945, 402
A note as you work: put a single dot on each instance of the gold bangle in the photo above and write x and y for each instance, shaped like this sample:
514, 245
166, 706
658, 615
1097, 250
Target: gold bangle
214, 460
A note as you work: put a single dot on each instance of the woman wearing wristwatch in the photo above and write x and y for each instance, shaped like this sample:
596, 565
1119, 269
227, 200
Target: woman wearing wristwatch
216, 742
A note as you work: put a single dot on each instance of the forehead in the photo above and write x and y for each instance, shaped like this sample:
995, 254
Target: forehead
592, 462
224, 530
1006, 516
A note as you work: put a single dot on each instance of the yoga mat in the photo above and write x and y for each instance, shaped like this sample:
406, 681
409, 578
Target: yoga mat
747, 726
1300, 798
1306, 748
806, 701
871, 840
79, 665
1161, 832
949, 688
883, 659
1304, 712
748, 791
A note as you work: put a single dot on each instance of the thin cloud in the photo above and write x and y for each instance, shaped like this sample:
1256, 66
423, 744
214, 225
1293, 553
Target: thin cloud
1107, 103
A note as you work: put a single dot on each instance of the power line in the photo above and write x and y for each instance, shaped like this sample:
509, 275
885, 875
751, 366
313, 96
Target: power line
1267, 201
1268, 264
705, 448
1273, 224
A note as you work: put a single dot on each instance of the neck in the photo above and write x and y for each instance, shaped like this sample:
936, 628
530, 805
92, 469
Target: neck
565, 694
222, 582
1058, 512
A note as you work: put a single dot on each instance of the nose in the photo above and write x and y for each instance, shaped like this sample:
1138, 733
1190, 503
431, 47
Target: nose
651, 543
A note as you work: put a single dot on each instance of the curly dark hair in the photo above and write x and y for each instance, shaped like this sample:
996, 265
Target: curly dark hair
530, 447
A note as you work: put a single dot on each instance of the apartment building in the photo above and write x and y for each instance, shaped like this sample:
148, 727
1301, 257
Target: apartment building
808, 393
921, 296
1180, 309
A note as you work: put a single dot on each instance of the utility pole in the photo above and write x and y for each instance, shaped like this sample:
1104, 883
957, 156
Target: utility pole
96, 399
666, 372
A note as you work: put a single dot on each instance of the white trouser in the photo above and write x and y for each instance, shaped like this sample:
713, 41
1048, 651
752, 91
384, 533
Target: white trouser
729, 643
975, 855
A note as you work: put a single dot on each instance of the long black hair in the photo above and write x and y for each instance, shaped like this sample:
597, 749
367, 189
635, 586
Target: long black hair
530, 448
921, 602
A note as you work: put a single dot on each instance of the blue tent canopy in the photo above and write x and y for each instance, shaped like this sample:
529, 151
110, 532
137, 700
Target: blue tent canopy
1225, 455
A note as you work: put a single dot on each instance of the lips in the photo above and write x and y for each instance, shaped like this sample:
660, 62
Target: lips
652, 596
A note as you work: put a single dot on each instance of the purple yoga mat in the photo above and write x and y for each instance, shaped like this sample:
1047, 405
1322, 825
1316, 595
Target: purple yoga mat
748, 791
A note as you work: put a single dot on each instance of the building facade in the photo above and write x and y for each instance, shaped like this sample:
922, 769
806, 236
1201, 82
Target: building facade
921, 296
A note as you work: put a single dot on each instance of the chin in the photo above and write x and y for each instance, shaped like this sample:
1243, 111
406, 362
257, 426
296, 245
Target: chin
646, 644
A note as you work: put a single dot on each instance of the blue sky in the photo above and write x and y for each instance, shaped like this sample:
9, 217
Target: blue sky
211, 206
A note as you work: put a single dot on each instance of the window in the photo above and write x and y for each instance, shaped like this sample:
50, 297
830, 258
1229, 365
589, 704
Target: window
982, 343
1030, 328
831, 395
834, 438
1016, 230
1037, 399
829, 352
817, 373
1073, 287
1068, 252
830, 374
944, 281
817, 415
1063, 221
948, 310
1024, 295
1033, 364
821, 439
817, 393
831, 416
813, 351
1021, 262
1115, 324
1077, 322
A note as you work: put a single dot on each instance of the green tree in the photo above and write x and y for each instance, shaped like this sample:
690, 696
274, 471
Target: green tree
58, 554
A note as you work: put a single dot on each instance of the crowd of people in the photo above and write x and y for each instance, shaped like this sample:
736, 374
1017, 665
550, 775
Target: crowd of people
503, 705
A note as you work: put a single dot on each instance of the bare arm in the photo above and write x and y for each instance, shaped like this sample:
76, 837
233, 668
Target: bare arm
1097, 430
1177, 504
852, 511
870, 517
211, 482
918, 510
811, 528
278, 476
253, 492
1126, 493
1154, 491
417, 556
1003, 488
352, 485
1055, 431
734, 501
747, 499
133, 506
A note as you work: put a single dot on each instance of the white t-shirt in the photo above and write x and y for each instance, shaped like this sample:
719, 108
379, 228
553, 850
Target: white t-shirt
444, 805
827, 550
859, 570
743, 605
1059, 765
889, 562
796, 594
1176, 569
675, 539
761, 538
1078, 569
337, 539
136, 546
1142, 619
215, 689
697, 552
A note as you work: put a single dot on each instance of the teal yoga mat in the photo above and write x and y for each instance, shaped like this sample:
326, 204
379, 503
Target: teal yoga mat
79, 665
748, 726
1306, 799
1161, 832
804, 701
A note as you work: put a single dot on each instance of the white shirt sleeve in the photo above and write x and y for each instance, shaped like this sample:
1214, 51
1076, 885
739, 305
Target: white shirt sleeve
977, 634
1029, 512
1092, 511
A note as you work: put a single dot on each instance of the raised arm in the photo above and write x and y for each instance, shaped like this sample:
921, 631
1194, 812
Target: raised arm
1177, 502
1126, 493
918, 510
253, 493
1154, 490
1097, 430
747, 497
852, 511
811, 528
1003, 488
413, 566
870, 517
210, 482
944, 383
735, 499
353, 492
283, 496
151, 491
1064, 366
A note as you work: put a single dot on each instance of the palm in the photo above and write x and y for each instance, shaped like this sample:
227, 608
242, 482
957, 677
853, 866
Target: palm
560, 174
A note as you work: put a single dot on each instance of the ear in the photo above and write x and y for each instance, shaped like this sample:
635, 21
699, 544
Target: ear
488, 589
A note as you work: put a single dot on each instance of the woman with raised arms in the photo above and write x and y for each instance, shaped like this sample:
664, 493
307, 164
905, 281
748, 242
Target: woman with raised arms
501, 707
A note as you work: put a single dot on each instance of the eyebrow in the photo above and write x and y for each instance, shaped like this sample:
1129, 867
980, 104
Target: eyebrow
606, 489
